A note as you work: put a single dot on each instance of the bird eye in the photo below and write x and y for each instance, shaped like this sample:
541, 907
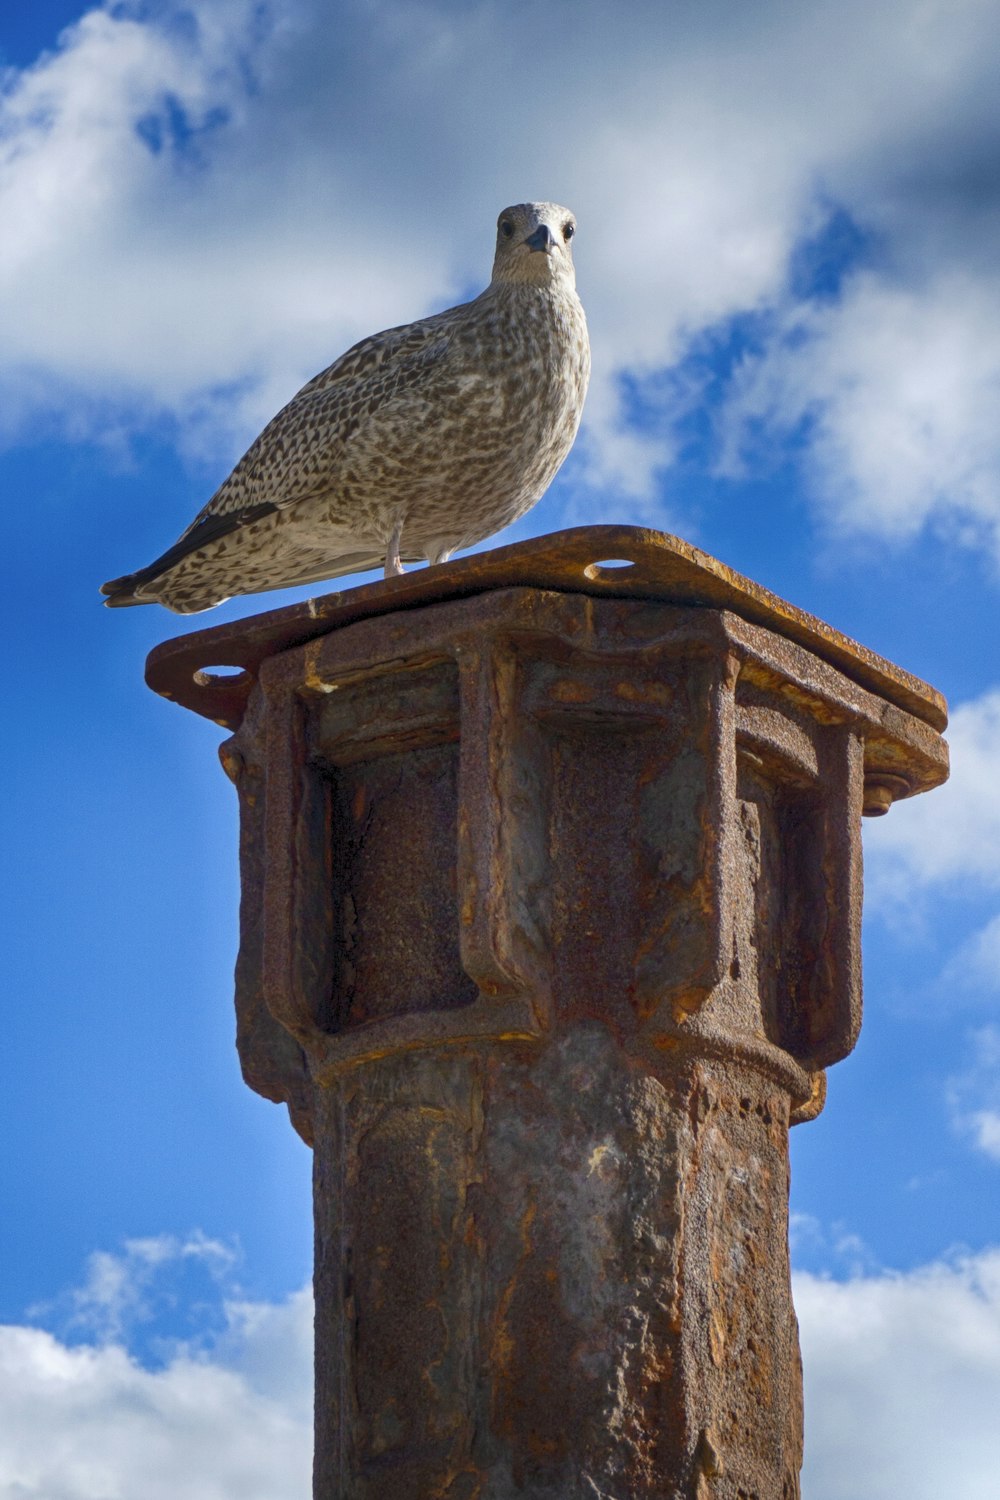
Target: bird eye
568, 231
506, 228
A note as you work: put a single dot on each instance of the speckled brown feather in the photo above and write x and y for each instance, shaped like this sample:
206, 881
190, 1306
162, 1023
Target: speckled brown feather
428, 437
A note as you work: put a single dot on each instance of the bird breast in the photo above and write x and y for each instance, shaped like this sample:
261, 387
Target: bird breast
475, 441
510, 387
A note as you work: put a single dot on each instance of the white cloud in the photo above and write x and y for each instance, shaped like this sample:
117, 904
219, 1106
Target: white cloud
975, 967
897, 388
954, 833
946, 846
902, 1382
89, 1423
839, 1246
119, 1291
974, 1095
154, 257
200, 214
985, 1127
902, 1375
225, 1417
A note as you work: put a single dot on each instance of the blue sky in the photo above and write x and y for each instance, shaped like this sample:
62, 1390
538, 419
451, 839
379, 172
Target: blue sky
787, 241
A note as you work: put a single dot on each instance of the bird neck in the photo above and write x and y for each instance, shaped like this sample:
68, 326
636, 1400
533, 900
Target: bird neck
532, 293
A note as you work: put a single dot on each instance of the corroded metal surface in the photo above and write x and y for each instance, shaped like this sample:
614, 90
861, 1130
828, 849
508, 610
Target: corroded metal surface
550, 927
657, 566
566, 1274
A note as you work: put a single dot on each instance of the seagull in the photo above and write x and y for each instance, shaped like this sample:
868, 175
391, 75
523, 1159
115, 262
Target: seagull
417, 442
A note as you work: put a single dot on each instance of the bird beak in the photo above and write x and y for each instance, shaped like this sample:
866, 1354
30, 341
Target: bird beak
543, 239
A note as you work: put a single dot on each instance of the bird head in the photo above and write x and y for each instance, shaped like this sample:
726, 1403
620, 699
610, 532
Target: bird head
534, 245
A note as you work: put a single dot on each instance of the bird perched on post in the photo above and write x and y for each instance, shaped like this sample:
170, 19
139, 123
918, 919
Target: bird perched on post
415, 443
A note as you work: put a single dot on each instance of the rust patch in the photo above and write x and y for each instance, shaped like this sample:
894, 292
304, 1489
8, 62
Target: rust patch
665, 568
549, 929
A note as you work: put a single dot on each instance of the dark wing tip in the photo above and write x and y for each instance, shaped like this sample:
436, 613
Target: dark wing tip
120, 592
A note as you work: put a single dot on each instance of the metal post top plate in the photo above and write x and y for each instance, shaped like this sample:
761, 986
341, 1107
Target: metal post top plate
621, 562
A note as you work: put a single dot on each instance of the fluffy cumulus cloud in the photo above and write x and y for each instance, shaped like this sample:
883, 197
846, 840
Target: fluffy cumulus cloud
948, 847
206, 204
901, 1374
887, 374
895, 389
901, 1381
220, 1418
955, 834
84, 1423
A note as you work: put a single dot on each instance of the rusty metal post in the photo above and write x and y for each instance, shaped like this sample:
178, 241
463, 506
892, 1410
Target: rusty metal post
550, 926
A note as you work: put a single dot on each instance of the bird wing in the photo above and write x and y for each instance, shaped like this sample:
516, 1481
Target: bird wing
291, 458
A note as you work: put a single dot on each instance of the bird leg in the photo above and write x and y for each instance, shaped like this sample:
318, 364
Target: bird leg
393, 565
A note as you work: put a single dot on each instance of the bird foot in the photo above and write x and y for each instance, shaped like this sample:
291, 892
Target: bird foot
393, 562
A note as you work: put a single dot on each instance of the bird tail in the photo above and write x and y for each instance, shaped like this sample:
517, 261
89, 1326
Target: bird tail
120, 593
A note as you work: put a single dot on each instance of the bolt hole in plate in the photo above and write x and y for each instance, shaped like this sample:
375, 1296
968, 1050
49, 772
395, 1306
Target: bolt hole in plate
609, 569
225, 672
